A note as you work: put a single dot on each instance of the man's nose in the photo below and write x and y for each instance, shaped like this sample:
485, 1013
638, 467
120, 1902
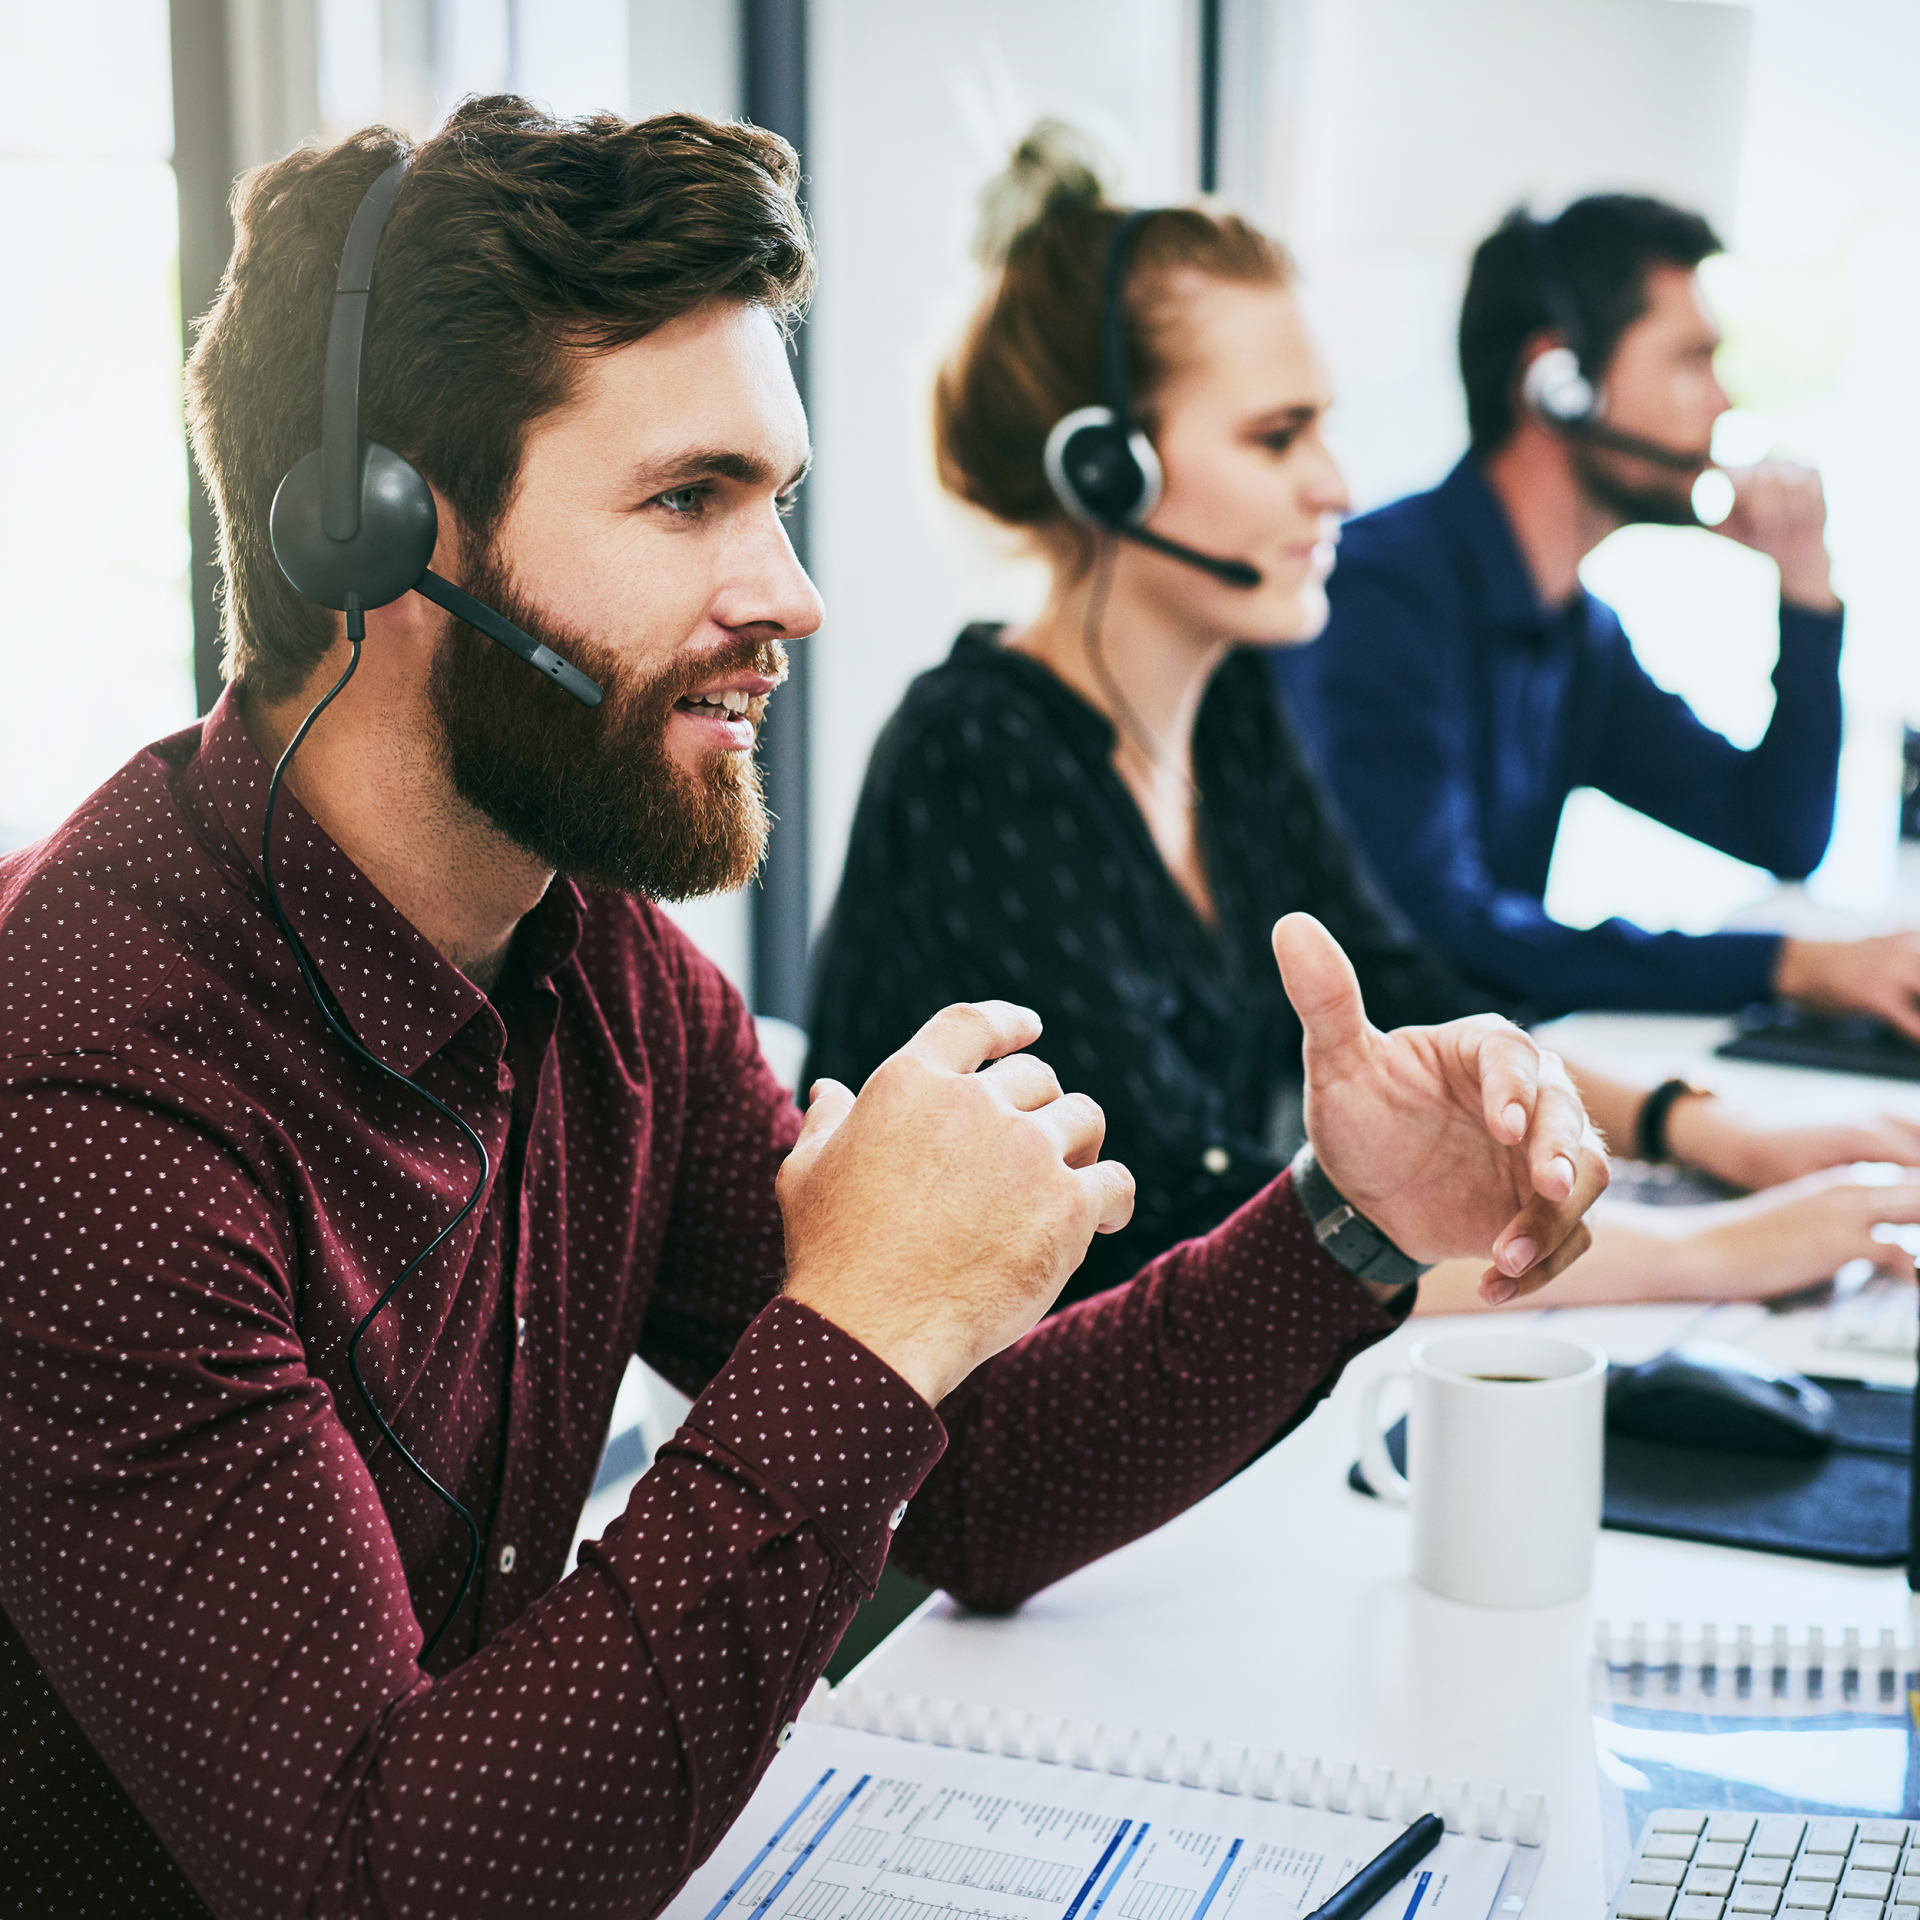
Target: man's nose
771, 588
1327, 485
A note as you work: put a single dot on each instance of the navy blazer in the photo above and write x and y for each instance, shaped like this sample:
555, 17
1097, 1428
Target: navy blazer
1453, 712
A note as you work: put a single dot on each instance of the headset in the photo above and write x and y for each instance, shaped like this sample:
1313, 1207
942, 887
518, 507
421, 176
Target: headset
353, 526
1557, 386
1102, 468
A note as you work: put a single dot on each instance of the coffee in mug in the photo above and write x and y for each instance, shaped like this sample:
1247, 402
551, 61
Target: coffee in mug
1504, 1442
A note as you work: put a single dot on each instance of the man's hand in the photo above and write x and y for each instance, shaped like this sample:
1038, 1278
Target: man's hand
1780, 510
1749, 1150
937, 1217
1880, 975
1466, 1139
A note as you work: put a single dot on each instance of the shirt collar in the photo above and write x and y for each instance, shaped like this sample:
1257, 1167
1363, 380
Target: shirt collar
1471, 507
398, 992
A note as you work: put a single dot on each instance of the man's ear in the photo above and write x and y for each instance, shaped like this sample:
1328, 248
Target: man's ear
411, 625
452, 542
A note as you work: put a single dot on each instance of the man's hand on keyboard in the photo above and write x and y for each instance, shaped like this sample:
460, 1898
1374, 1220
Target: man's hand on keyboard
1460, 1140
1880, 976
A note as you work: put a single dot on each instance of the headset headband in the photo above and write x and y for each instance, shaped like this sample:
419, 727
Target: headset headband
1554, 290
1113, 315
341, 444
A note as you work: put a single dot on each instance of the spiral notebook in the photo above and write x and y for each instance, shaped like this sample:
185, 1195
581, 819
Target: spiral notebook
1752, 1720
886, 1806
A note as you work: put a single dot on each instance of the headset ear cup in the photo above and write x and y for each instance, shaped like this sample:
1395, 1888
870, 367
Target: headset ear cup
398, 528
1101, 474
1556, 389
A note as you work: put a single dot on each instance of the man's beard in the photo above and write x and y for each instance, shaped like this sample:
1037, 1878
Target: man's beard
1667, 503
592, 791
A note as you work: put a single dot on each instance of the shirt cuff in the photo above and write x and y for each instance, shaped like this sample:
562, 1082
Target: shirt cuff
1270, 1241
822, 1419
1811, 626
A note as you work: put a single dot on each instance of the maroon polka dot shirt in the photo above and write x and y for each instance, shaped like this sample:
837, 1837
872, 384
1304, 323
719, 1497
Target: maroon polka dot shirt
213, 1572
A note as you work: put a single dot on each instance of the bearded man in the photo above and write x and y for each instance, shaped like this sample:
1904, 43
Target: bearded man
1466, 682
251, 1661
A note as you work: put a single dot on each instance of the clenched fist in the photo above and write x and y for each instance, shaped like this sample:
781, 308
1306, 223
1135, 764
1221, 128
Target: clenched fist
1780, 510
936, 1217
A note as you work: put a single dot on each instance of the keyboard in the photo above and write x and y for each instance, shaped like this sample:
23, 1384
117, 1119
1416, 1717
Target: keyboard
1876, 1317
1719, 1866
1839, 1043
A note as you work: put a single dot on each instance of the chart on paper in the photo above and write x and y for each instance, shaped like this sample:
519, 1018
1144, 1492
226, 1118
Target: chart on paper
855, 1826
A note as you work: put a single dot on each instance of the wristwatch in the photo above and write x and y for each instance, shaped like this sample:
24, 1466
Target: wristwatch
1650, 1129
1345, 1232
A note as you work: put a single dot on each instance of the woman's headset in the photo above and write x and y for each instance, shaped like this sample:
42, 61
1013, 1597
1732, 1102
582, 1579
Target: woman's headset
1102, 468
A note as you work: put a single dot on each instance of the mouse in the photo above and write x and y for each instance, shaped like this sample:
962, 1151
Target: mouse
1704, 1395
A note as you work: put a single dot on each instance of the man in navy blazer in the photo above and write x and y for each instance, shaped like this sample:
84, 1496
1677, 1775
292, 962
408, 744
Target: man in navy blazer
1467, 683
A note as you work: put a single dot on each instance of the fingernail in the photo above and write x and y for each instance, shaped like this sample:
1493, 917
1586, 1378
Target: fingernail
1497, 1291
1565, 1169
1513, 1116
1518, 1255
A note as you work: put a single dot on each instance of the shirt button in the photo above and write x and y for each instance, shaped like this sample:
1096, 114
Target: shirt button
523, 1329
1216, 1159
507, 1558
784, 1735
897, 1515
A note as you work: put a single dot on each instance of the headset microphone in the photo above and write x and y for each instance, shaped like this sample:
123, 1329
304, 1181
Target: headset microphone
1102, 468
353, 525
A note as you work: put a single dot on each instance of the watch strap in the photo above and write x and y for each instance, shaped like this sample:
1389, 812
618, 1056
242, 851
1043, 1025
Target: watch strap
1650, 1129
1345, 1233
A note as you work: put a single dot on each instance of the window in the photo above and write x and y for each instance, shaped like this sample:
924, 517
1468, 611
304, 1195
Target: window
99, 641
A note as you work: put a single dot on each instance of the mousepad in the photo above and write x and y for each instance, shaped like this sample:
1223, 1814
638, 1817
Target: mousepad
1849, 1505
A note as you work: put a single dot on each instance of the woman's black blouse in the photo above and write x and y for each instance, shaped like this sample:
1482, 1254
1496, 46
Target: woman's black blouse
996, 854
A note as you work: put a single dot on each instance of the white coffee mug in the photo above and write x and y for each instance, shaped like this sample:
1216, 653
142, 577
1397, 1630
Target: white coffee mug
1504, 1440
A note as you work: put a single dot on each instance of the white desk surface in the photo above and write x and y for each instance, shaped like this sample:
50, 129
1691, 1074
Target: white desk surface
1279, 1612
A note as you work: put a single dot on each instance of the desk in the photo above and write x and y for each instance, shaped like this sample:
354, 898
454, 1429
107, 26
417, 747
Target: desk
1279, 1612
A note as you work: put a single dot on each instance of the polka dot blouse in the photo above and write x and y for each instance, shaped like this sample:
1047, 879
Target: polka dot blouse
996, 851
213, 1572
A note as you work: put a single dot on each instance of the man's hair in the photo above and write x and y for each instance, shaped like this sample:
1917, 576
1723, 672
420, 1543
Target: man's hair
1600, 250
517, 245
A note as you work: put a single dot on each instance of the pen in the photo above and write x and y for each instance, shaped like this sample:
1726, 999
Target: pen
1399, 1859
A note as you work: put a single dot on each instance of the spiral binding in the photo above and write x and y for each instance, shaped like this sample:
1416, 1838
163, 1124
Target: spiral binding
1262, 1773
1745, 1648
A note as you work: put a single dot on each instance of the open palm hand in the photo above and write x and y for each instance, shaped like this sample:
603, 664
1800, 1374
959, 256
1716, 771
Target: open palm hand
1466, 1139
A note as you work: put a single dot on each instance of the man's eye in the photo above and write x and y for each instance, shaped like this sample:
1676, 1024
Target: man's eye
685, 501
785, 503
1282, 442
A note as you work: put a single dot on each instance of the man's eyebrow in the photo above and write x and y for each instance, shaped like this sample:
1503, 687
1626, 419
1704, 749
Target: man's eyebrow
709, 463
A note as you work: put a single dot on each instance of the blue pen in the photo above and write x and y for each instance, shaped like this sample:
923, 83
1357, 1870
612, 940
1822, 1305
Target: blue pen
1399, 1859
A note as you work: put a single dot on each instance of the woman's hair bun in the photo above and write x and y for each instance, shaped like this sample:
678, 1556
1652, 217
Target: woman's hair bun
1055, 169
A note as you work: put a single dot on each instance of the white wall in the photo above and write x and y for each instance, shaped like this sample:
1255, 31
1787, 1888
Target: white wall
1397, 132
913, 109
